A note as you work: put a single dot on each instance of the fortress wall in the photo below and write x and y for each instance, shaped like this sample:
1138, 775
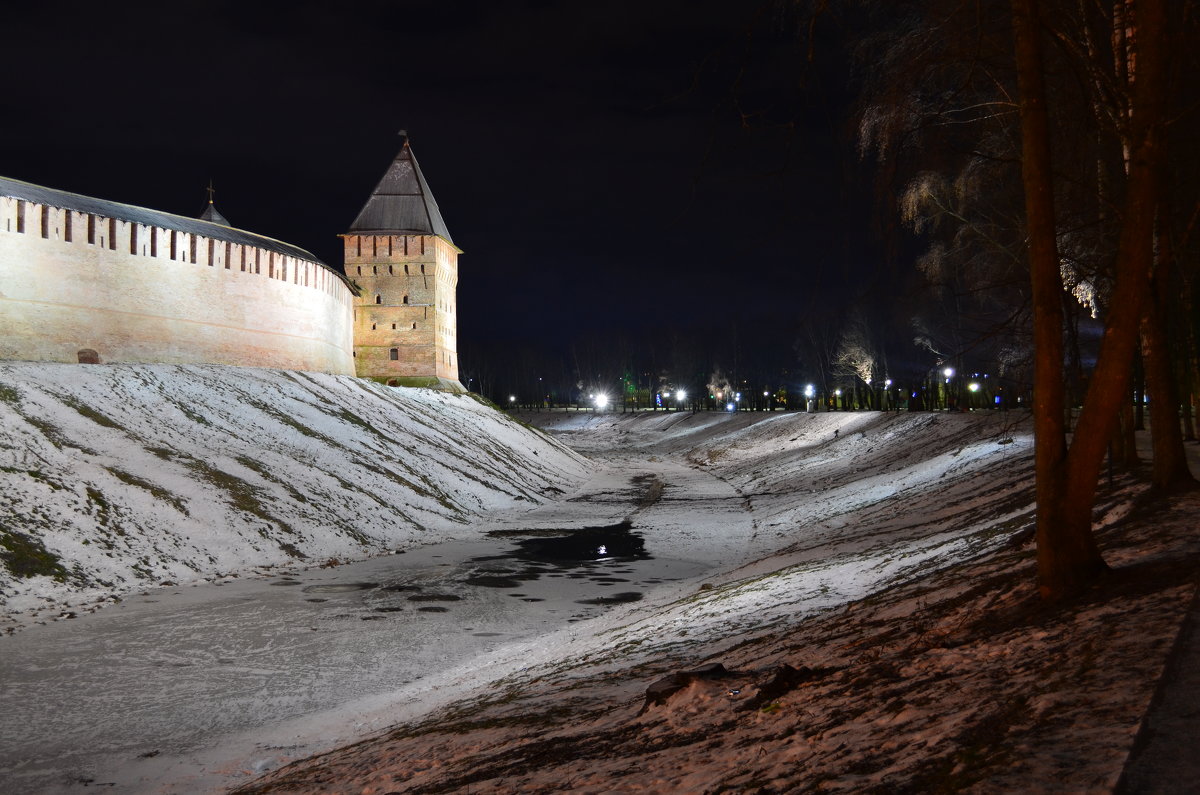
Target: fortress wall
71, 281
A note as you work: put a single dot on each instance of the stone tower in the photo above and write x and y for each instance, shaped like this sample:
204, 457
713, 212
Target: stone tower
398, 252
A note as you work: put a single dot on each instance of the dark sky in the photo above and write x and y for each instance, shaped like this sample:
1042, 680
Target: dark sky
627, 164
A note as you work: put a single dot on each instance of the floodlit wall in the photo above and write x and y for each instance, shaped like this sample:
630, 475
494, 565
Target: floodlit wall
405, 324
77, 286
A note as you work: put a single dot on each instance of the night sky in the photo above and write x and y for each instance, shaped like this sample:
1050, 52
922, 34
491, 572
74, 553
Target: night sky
605, 167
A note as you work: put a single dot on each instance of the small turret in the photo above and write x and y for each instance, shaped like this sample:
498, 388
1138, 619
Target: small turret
210, 212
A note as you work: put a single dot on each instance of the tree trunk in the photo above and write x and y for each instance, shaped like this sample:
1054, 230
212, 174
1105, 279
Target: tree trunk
1170, 471
1067, 556
1109, 387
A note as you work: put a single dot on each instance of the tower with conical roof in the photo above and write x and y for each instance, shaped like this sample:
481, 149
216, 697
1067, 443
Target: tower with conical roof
401, 257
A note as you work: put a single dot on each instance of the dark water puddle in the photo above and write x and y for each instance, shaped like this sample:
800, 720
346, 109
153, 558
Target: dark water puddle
587, 563
492, 581
588, 554
591, 544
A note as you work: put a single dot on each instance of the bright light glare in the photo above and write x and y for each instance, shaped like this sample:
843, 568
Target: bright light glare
948, 372
601, 401
680, 394
974, 387
512, 398
666, 395
809, 391
837, 392
887, 382
729, 407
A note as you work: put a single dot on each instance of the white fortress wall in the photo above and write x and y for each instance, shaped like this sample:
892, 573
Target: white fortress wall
72, 281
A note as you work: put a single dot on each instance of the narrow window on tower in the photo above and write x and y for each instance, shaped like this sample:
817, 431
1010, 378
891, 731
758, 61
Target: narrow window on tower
404, 300
45, 220
378, 298
360, 270
21, 216
212, 251
393, 327
405, 270
372, 327
91, 228
374, 268
414, 326
390, 273
394, 354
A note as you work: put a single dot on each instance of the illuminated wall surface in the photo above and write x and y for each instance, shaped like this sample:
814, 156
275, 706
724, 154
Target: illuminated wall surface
74, 282
405, 322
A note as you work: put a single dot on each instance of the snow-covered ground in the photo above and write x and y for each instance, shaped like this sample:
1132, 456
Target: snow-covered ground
883, 557
892, 641
116, 477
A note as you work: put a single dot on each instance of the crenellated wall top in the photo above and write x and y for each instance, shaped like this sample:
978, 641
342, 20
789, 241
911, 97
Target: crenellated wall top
37, 194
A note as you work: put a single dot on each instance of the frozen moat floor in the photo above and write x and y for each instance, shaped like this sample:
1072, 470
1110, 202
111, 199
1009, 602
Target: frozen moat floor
867, 596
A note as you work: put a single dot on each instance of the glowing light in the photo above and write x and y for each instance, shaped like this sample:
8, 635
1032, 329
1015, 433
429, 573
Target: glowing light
809, 391
603, 550
680, 394
666, 395
837, 392
974, 387
601, 401
730, 407
512, 398
948, 372
887, 383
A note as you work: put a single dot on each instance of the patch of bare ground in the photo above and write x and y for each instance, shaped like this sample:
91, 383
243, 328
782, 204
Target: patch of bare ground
959, 681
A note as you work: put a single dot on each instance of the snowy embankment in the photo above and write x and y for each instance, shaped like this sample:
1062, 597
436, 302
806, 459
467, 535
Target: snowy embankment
117, 477
880, 632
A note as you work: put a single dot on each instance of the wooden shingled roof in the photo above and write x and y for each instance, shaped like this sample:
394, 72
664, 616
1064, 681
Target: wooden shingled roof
401, 203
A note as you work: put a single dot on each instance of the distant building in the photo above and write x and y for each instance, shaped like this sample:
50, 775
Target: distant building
88, 280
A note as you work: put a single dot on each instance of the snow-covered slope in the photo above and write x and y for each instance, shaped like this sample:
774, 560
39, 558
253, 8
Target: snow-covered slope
113, 477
